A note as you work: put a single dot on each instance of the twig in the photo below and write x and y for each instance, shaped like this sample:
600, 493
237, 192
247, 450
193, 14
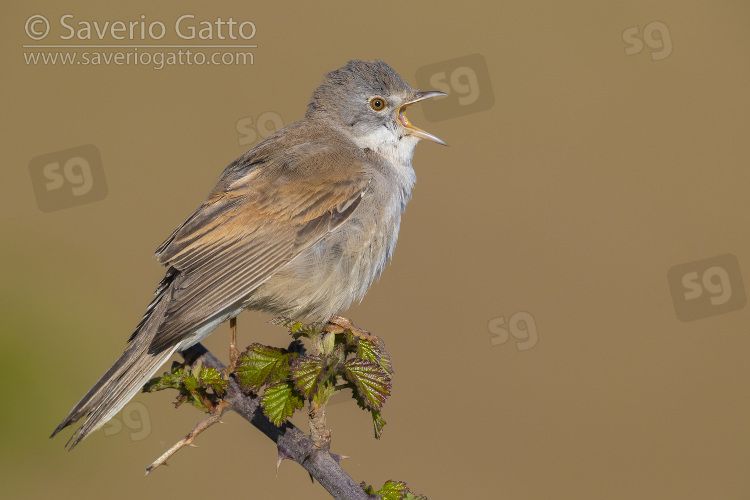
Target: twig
321, 436
189, 438
291, 442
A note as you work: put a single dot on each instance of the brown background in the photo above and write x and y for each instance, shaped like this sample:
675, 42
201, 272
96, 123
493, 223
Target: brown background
592, 175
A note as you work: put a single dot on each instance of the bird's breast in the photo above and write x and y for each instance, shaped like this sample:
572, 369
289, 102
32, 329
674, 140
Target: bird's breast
328, 277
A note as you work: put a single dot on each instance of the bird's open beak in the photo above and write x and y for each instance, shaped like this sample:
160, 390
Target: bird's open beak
420, 96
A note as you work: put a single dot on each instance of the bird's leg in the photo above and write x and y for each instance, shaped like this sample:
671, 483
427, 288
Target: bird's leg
234, 353
339, 324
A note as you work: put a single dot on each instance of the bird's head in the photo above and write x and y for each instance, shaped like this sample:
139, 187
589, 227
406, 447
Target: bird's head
367, 100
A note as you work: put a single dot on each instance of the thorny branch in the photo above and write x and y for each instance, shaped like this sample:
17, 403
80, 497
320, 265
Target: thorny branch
189, 438
291, 442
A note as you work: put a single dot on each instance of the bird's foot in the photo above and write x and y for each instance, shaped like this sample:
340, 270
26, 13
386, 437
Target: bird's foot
339, 324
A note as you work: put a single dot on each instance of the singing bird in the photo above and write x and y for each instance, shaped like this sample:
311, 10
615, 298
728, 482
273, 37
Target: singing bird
300, 226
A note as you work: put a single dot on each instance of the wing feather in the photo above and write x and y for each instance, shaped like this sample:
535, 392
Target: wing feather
251, 225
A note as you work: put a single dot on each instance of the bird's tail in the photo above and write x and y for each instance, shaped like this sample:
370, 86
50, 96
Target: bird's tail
123, 380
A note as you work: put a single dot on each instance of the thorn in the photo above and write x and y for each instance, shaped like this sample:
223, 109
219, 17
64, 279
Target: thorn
338, 458
283, 455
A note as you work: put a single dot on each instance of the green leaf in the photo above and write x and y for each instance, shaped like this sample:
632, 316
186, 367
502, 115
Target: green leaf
337, 356
296, 328
368, 489
385, 361
280, 401
190, 382
378, 423
262, 365
372, 382
211, 378
170, 380
392, 490
373, 351
193, 388
303, 330
411, 496
368, 350
306, 373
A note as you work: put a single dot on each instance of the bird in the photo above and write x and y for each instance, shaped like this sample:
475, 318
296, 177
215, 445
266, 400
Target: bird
300, 226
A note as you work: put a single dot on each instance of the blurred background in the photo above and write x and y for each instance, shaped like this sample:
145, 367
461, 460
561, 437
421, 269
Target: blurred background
566, 309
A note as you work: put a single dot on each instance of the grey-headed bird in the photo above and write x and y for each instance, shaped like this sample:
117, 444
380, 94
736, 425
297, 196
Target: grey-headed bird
300, 226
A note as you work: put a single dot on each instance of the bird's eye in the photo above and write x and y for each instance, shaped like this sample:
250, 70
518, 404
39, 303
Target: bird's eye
377, 103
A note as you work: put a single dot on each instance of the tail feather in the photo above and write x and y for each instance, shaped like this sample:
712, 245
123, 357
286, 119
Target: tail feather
123, 380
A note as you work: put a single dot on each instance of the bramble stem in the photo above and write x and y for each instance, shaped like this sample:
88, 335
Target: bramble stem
190, 437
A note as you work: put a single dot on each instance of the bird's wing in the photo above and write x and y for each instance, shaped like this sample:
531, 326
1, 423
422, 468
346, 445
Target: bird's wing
263, 213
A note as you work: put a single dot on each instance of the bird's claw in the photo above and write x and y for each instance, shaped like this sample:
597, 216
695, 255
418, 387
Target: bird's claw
339, 324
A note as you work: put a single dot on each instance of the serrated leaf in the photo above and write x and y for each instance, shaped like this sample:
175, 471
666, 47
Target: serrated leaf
306, 372
375, 352
303, 330
378, 423
385, 361
373, 384
296, 328
262, 365
190, 382
411, 496
280, 401
193, 386
392, 490
211, 378
170, 380
368, 489
337, 356
368, 350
